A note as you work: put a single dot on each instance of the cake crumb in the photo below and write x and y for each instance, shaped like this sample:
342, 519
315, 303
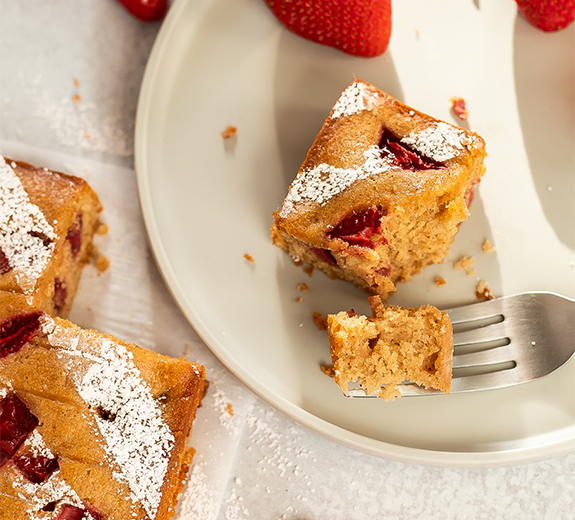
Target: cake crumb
93, 251
297, 262
249, 258
459, 108
488, 247
299, 299
483, 292
76, 82
230, 409
320, 320
102, 229
230, 131
465, 263
102, 263
328, 370
303, 287
204, 392
439, 281
308, 270
187, 349
77, 98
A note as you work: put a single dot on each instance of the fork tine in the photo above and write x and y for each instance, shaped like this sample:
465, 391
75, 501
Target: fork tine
539, 327
481, 335
492, 380
486, 357
470, 383
476, 311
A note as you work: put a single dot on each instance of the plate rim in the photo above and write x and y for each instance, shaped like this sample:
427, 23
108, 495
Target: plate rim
324, 428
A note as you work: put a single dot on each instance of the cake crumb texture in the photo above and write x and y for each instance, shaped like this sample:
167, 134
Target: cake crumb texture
381, 193
465, 263
488, 247
394, 345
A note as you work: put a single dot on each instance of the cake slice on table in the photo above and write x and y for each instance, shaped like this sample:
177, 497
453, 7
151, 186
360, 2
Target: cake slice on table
92, 428
394, 345
381, 193
47, 223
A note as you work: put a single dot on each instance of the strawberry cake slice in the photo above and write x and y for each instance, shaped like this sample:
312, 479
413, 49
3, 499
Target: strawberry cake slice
393, 345
91, 427
47, 223
381, 193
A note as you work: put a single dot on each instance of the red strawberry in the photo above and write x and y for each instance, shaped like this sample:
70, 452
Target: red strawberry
548, 15
358, 27
146, 10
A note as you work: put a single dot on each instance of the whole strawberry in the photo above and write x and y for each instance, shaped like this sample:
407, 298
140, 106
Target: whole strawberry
358, 27
548, 15
146, 10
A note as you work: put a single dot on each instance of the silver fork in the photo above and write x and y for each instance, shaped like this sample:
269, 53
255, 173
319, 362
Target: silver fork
505, 342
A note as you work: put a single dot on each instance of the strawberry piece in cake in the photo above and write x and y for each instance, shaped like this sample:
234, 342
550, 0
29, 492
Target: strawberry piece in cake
381, 193
394, 345
91, 427
47, 223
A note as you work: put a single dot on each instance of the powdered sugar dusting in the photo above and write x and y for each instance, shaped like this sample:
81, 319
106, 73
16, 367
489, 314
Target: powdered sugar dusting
3, 392
35, 443
38, 495
326, 181
439, 141
353, 100
137, 439
198, 502
26, 238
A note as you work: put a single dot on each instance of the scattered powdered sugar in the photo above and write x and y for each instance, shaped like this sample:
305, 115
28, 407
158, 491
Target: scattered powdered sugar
82, 124
35, 443
136, 437
223, 405
236, 510
353, 99
197, 501
440, 141
26, 238
4, 391
38, 495
326, 181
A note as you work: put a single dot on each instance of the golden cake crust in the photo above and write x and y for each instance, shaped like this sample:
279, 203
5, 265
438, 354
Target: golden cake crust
346, 173
118, 418
56, 241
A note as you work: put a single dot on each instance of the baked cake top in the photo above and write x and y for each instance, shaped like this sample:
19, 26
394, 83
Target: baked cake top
138, 441
129, 408
26, 238
369, 133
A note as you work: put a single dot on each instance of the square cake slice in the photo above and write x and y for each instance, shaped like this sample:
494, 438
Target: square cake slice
381, 193
47, 223
92, 428
394, 345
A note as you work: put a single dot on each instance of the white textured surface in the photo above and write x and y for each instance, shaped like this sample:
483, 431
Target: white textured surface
255, 464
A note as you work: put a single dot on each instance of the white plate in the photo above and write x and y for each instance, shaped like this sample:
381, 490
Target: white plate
208, 201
